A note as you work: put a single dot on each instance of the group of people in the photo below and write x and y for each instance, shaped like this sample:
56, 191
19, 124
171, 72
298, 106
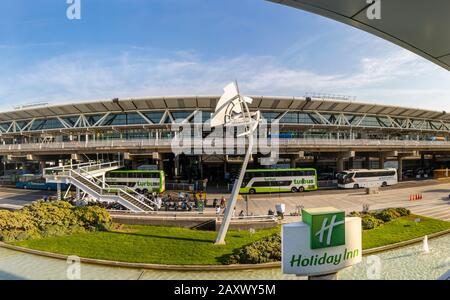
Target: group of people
170, 201
220, 208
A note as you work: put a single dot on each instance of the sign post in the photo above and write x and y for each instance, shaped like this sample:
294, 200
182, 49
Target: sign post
322, 244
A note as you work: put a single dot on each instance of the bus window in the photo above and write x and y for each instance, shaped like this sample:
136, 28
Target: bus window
261, 184
299, 173
310, 173
282, 183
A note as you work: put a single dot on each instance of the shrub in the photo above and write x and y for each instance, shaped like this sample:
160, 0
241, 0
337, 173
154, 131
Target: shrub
370, 222
403, 211
46, 214
265, 250
46, 219
388, 214
356, 214
93, 218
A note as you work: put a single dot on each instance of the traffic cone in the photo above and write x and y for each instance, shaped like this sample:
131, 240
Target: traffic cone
421, 196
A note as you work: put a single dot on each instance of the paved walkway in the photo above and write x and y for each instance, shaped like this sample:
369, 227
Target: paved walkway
435, 202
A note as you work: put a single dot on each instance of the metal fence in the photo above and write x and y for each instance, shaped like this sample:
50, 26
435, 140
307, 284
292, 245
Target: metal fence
294, 142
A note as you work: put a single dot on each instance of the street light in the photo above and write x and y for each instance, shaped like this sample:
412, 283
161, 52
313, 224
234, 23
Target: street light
232, 110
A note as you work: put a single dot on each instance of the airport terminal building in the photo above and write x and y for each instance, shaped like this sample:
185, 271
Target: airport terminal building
328, 134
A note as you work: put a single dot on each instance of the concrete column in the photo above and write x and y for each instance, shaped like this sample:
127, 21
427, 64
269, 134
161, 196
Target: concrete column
58, 191
400, 168
41, 166
78, 196
134, 164
350, 162
103, 181
340, 164
368, 162
201, 166
161, 162
293, 157
381, 161
177, 165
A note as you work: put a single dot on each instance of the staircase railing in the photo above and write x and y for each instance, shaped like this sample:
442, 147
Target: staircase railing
108, 190
100, 188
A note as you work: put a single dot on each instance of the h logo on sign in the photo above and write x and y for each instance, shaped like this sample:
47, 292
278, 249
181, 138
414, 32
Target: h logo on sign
327, 227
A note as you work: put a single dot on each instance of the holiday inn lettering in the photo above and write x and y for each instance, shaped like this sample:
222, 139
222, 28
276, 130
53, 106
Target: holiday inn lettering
315, 260
325, 242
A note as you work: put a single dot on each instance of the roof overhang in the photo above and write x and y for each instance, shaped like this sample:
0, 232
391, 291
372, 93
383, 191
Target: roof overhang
208, 103
417, 25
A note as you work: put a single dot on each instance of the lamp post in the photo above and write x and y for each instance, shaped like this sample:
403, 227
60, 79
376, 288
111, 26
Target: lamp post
232, 110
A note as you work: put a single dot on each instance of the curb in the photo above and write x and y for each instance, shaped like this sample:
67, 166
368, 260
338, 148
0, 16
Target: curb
404, 243
111, 263
145, 266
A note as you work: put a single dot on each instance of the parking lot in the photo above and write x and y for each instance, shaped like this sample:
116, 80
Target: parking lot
435, 200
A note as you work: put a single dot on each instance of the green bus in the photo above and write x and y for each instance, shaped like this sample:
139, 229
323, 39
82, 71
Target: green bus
141, 181
279, 180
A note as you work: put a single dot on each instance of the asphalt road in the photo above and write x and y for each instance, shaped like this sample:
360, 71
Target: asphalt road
11, 197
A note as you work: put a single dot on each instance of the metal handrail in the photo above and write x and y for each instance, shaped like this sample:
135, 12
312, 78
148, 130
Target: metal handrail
82, 166
108, 188
168, 142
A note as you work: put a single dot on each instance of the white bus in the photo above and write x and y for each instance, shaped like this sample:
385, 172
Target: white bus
141, 181
355, 179
279, 180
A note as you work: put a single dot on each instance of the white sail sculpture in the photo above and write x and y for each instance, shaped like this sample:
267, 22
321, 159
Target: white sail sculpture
232, 110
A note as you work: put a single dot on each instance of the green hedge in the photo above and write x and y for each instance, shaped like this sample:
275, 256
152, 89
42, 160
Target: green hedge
374, 219
269, 249
45, 219
265, 250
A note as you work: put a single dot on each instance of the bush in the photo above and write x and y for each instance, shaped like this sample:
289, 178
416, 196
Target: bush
356, 214
46, 219
93, 218
46, 214
388, 214
370, 222
265, 250
403, 211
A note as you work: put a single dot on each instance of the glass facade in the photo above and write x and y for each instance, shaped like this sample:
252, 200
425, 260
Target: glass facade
317, 125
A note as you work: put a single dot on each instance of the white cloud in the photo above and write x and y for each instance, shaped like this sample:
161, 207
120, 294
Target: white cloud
398, 77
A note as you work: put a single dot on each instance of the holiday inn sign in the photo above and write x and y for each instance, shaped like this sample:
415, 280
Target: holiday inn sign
325, 242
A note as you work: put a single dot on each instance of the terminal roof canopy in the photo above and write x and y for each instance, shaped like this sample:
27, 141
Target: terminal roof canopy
208, 103
420, 26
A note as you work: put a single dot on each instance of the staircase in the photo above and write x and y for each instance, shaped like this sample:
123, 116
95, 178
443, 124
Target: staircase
84, 176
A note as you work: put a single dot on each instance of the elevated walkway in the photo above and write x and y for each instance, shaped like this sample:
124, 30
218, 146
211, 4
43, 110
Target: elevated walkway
85, 177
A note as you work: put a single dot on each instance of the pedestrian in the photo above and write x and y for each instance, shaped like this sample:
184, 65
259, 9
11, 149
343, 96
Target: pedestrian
218, 210
215, 202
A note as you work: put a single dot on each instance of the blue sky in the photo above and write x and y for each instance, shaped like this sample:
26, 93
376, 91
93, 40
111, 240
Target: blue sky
132, 48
